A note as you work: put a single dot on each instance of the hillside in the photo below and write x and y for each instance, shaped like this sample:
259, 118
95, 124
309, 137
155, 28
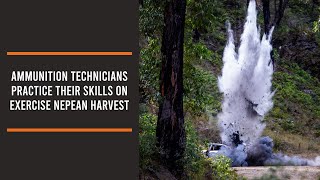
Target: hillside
293, 123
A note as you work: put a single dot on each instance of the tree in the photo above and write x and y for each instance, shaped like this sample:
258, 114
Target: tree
266, 15
170, 125
279, 8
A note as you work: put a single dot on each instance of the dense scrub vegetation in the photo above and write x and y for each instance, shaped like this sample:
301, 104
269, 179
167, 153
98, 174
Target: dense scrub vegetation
296, 113
295, 116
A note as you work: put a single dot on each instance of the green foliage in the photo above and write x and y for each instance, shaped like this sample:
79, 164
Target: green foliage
149, 69
300, 19
288, 125
196, 52
202, 16
297, 86
279, 113
296, 99
194, 162
278, 143
147, 139
200, 86
151, 17
316, 26
196, 165
221, 169
296, 102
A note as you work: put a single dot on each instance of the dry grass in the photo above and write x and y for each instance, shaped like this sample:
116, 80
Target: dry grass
294, 144
284, 142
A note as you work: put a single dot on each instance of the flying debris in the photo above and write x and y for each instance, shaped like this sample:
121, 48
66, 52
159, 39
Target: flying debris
236, 139
246, 85
253, 107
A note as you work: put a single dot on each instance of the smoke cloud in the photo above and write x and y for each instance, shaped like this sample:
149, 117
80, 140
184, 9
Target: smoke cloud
246, 86
246, 83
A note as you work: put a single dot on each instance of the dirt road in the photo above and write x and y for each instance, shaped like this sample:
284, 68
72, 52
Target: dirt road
283, 172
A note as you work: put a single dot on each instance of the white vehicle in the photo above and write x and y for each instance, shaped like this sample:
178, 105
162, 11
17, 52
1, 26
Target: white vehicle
214, 149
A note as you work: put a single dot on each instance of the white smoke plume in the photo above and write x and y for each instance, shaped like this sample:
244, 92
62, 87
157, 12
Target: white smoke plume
246, 83
247, 98
261, 154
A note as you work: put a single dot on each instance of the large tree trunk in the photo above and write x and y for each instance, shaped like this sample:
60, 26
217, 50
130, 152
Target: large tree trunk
279, 12
266, 16
279, 8
170, 126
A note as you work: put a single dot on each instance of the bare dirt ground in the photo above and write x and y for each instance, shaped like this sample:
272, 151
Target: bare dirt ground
282, 172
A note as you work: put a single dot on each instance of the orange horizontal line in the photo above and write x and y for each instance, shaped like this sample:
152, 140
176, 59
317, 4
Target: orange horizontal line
69, 130
69, 53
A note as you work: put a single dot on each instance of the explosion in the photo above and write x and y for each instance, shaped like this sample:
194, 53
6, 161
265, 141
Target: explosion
247, 97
